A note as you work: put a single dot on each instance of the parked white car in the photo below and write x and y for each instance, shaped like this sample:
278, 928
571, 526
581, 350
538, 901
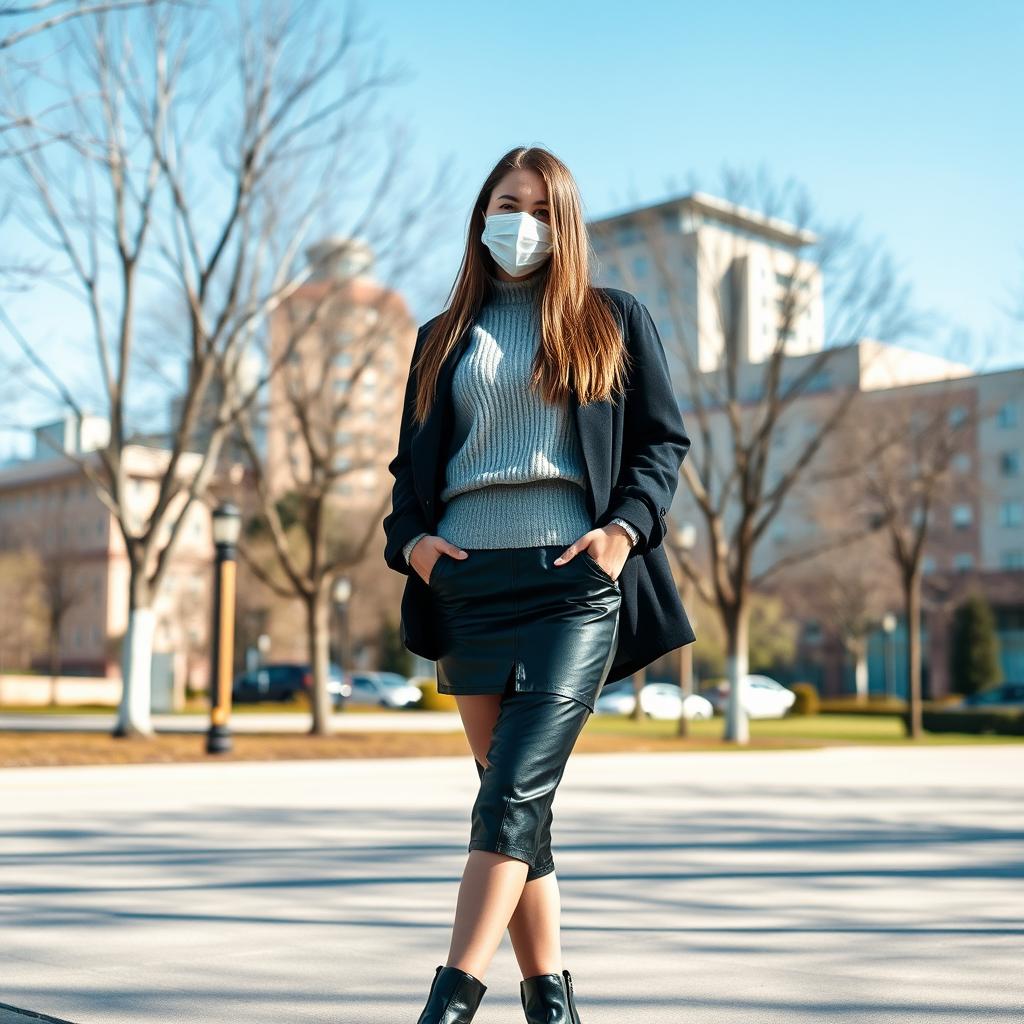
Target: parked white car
385, 689
657, 700
761, 696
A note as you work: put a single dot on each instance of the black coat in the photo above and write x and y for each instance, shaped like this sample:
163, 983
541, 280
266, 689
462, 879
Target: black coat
632, 453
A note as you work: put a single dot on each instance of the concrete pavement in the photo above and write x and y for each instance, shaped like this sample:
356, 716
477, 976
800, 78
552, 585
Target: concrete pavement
858, 884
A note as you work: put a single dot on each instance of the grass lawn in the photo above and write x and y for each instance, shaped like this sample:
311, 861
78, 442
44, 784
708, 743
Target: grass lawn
603, 734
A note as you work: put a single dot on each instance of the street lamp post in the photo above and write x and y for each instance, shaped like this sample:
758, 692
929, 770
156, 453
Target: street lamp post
227, 523
341, 592
686, 539
889, 674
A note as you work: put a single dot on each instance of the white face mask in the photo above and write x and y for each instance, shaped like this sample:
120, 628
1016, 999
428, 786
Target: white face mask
517, 241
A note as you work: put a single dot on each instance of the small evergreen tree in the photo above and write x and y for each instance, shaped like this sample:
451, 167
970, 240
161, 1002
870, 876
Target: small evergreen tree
974, 656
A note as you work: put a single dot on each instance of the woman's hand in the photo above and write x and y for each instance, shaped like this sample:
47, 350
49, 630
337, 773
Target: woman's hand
609, 546
427, 550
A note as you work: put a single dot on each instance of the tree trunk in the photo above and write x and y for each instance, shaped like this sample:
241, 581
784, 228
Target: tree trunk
639, 682
860, 672
318, 613
54, 655
133, 717
737, 729
685, 685
912, 606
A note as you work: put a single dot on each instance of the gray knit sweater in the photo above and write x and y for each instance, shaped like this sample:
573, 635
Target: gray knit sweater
515, 477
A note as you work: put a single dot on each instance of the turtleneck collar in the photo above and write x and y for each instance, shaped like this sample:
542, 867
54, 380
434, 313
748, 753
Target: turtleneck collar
511, 293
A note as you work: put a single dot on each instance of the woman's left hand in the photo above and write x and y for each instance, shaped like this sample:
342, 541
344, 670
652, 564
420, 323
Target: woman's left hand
609, 546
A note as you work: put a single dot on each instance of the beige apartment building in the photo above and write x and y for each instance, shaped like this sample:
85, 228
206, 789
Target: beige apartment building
77, 571
683, 258
345, 376
723, 281
339, 392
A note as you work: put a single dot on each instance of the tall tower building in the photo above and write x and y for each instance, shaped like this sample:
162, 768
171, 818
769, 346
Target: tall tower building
715, 275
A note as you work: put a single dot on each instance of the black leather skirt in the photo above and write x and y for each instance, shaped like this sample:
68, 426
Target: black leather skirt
509, 616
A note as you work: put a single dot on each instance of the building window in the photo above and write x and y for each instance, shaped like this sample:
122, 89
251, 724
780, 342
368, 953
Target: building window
1009, 463
1011, 513
962, 516
1007, 415
628, 233
957, 416
1013, 559
927, 564
963, 561
961, 462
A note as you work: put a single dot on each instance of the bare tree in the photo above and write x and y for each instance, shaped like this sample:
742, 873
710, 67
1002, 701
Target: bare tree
202, 147
910, 480
741, 400
845, 590
43, 15
313, 535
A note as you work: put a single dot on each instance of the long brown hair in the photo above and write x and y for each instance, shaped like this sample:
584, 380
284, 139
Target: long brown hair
581, 344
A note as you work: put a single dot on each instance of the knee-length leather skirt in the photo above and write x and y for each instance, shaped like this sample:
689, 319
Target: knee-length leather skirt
509, 615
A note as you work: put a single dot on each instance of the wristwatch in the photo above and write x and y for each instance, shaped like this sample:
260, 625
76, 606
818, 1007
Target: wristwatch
629, 528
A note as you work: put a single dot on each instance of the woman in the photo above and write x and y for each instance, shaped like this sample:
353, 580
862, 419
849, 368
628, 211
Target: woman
539, 451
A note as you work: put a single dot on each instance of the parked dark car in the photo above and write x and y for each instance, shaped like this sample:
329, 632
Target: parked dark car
283, 681
1004, 695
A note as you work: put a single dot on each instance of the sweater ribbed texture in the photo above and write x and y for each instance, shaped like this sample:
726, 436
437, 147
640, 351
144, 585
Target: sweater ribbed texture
516, 476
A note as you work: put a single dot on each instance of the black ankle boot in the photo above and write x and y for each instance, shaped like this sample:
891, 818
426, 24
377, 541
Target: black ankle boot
549, 999
453, 998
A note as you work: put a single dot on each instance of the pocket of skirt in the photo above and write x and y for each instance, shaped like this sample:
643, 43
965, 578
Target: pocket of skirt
436, 568
597, 567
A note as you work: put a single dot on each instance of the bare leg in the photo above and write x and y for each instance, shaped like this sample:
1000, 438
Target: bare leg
491, 887
494, 893
535, 928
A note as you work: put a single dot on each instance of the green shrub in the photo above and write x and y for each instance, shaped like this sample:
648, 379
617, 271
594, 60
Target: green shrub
877, 704
807, 702
432, 700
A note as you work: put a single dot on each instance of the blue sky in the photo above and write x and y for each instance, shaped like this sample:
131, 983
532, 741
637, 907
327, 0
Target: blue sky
906, 116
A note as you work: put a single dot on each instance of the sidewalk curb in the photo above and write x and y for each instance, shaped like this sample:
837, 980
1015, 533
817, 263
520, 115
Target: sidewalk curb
27, 1014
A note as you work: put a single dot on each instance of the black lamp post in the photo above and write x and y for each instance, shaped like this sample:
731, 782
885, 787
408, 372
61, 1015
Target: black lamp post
227, 524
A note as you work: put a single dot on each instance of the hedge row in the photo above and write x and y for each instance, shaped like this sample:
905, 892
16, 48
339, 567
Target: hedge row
1005, 722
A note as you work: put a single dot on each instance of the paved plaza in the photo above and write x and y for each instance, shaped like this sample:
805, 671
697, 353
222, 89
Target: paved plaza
850, 884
